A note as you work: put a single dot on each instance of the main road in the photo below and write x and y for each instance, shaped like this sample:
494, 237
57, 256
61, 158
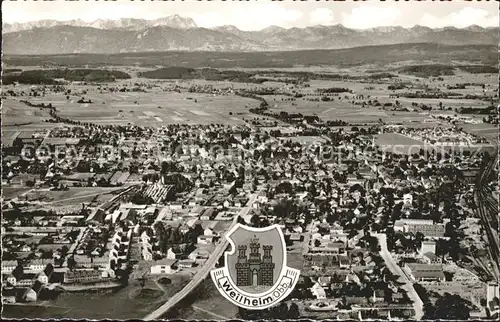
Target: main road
204, 271
418, 305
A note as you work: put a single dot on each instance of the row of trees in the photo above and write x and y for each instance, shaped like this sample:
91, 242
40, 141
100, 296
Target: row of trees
170, 237
281, 311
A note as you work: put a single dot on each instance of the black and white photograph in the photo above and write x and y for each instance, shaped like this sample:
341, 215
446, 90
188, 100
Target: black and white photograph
250, 160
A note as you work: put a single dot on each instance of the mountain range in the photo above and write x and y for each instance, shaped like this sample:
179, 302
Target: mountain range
174, 21
175, 33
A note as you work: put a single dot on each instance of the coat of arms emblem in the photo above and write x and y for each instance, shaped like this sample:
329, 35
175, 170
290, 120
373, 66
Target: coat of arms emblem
255, 275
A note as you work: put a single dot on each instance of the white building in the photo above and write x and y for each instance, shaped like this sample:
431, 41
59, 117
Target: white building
208, 232
8, 266
38, 265
11, 280
164, 266
43, 278
205, 240
428, 247
193, 256
318, 291
407, 199
147, 255
170, 254
187, 263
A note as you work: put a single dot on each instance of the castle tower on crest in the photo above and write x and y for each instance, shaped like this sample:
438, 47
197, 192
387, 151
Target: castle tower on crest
255, 270
254, 251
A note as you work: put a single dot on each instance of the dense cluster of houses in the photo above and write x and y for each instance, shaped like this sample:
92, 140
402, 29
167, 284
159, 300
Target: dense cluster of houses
190, 192
443, 136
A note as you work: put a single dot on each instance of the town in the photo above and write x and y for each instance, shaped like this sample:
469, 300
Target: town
377, 231
364, 140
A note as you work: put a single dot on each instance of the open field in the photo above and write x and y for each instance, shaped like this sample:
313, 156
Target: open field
342, 107
154, 108
389, 139
398, 143
126, 303
294, 255
489, 131
16, 113
72, 196
10, 192
210, 305
332, 110
70, 193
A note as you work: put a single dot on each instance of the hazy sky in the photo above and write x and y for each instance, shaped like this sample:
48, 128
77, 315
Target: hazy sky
258, 14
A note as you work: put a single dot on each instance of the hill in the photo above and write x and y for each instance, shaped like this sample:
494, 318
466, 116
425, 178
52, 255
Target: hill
377, 55
202, 73
170, 73
50, 76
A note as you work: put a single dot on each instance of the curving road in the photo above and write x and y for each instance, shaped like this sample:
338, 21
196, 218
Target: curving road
418, 304
202, 272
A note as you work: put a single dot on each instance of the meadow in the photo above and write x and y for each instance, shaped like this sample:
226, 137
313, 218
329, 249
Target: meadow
154, 108
130, 302
72, 195
159, 105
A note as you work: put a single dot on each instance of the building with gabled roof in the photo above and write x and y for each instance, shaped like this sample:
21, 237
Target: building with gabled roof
318, 291
163, 266
8, 266
425, 272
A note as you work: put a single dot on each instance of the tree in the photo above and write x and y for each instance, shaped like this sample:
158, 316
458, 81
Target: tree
122, 276
284, 187
283, 309
142, 281
18, 271
293, 311
240, 220
17, 143
343, 303
196, 231
71, 263
176, 237
255, 220
451, 307
140, 199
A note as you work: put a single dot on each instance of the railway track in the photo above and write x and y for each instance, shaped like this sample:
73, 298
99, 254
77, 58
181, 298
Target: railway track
488, 213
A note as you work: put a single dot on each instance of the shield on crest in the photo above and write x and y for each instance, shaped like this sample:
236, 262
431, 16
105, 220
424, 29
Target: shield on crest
255, 275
